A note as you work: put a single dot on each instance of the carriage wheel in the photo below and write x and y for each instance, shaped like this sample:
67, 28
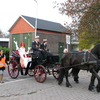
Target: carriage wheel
13, 69
31, 72
40, 73
56, 71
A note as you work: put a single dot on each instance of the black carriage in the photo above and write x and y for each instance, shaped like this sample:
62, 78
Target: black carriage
50, 65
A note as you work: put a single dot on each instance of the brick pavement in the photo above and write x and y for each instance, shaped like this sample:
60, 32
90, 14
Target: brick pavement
30, 89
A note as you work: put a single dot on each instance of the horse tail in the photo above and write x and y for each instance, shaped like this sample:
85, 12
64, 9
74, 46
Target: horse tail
61, 74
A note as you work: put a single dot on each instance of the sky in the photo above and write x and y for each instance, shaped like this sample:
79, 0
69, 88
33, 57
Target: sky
10, 10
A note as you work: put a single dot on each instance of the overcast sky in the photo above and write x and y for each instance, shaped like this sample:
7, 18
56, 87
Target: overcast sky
10, 10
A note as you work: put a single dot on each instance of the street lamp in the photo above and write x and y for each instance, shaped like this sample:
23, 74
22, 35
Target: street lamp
36, 19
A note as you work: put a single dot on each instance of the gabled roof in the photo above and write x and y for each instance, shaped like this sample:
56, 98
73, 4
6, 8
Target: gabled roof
42, 24
45, 25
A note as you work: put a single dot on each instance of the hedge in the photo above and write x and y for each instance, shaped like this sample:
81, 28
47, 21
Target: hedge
6, 52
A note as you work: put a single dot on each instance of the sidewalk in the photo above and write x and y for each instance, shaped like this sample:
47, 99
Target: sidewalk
30, 89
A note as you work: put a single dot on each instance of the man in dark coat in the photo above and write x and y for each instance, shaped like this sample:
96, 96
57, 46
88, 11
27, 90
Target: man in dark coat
44, 48
44, 45
37, 50
45, 51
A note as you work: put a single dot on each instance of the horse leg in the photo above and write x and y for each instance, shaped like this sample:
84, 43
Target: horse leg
91, 85
98, 86
67, 81
98, 78
75, 72
61, 76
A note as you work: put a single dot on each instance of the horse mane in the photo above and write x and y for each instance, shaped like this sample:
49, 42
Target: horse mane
95, 46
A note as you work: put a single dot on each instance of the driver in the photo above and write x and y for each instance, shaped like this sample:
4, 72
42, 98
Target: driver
37, 50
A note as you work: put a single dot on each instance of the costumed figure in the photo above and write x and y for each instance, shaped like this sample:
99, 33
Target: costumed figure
23, 54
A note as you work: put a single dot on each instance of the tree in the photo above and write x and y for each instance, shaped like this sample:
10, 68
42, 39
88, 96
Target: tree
1, 34
4, 35
89, 25
85, 16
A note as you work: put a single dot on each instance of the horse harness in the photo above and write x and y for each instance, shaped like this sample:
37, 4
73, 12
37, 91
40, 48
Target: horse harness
85, 60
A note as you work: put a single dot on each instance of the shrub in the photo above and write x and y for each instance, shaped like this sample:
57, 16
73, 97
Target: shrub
6, 52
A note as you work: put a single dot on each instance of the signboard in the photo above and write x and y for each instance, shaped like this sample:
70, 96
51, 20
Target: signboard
67, 39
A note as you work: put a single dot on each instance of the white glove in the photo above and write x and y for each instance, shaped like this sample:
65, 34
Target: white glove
15, 42
16, 45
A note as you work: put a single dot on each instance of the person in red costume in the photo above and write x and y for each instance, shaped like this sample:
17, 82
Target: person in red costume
23, 54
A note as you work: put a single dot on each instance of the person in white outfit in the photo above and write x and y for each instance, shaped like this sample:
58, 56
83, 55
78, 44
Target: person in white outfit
23, 54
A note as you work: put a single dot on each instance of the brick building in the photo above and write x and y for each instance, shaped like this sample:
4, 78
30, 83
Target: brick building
24, 30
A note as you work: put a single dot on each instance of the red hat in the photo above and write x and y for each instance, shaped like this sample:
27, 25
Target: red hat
22, 44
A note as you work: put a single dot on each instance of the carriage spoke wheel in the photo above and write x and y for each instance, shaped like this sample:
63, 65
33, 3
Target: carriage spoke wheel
56, 71
13, 69
31, 72
40, 73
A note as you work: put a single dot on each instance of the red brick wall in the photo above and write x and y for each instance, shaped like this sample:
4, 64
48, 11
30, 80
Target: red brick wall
21, 27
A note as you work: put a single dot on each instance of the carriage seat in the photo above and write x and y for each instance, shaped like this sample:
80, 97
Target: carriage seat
15, 54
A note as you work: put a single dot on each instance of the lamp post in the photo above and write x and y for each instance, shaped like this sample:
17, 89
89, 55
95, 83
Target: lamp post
36, 19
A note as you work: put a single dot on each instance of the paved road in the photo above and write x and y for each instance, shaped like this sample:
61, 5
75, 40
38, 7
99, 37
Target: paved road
27, 88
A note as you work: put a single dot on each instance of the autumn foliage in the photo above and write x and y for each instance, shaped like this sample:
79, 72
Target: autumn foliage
85, 16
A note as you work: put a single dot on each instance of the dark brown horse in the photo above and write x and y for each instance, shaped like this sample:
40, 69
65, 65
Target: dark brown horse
81, 61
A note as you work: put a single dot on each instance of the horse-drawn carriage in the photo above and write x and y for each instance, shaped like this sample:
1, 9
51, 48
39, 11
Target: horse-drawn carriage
33, 68
89, 61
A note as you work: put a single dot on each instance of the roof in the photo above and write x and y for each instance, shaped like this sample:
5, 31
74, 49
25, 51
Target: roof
4, 39
44, 25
